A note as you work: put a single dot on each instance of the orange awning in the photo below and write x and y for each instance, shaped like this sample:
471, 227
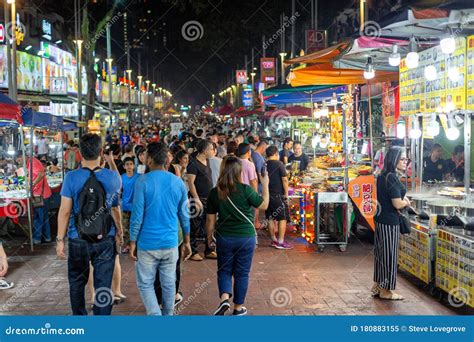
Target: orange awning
327, 55
315, 75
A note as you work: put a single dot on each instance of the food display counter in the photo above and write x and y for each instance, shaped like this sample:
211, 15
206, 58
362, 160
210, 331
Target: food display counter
455, 264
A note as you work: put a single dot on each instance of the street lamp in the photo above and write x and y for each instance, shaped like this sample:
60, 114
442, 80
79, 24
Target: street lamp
147, 102
252, 74
140, 77
78, 43
129, 73
14, 73
282, 58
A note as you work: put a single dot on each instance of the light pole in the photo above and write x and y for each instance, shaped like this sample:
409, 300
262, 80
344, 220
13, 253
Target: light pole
109, 76
252, 74
10, 40
282, 58
147, 102
129, 75
78, 43
140, 77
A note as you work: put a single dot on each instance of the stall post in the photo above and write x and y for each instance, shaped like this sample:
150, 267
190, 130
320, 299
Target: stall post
467, 156
31, 173
371, 145
62, 153
420, 159
28, 199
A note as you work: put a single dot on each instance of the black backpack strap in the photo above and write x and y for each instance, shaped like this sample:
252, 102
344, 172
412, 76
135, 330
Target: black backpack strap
92, 171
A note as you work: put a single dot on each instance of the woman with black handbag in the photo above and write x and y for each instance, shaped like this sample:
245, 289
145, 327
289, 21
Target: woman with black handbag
391, 196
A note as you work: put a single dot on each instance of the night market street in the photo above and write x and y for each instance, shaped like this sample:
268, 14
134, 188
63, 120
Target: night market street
302, 281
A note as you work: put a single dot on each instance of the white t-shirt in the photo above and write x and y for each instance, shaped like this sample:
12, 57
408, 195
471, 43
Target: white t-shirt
215, 165
42, 147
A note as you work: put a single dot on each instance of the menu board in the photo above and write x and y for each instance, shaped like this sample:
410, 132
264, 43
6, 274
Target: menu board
470, 73
417, 94
29, 76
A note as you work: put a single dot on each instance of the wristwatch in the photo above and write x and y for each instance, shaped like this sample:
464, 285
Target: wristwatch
59, 239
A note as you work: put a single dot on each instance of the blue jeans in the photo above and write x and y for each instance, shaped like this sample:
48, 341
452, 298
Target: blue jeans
102, 257
41, 227
149, 262
234, 259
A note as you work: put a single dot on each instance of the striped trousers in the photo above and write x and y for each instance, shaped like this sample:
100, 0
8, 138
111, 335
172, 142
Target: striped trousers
386, 245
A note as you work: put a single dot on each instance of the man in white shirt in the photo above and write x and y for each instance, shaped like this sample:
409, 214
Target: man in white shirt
42, 146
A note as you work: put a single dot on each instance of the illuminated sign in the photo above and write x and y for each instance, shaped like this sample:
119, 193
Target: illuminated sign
241, 76
2, 33
19, 30
58, 86
47, 29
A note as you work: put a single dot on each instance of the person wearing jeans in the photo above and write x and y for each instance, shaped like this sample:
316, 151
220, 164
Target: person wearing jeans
159, 201
235, 233
82, 253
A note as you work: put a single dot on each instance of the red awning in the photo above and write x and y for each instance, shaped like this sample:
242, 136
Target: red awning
324, 56
288, 111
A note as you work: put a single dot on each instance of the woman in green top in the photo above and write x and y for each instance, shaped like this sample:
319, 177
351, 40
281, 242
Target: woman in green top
234, 231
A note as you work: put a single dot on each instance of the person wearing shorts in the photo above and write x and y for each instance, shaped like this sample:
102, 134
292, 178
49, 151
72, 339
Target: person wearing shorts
278, 211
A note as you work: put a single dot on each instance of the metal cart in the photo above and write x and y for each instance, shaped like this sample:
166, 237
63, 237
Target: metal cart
326, 227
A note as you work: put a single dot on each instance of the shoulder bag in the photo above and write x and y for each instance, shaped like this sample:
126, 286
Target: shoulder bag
38, 201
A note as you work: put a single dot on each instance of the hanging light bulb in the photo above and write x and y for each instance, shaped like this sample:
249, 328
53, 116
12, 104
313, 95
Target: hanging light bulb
401, 130
433, 126
369, 71
452, 133
412, 57
394, 58
453, 74
430, 73
11, 150
448, 44
334, 99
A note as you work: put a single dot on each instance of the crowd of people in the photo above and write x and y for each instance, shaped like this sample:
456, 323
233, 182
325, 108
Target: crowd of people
164, 197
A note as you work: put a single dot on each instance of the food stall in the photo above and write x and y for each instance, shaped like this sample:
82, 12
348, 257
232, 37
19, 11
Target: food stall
14, 194
435, 108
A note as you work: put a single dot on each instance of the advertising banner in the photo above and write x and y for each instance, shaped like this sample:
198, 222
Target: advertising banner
267, 70
315, 40
29, 76
247, 95
417, 94
241, 76
470, 73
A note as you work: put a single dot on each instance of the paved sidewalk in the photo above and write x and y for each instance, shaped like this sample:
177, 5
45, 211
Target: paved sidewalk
295, 282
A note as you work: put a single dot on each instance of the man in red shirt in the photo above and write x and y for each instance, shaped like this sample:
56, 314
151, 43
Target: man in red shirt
41, 227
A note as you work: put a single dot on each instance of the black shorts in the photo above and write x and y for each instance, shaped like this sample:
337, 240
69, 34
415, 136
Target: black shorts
277, 209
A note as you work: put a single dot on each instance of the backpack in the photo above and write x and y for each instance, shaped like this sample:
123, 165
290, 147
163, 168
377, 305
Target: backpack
94, 219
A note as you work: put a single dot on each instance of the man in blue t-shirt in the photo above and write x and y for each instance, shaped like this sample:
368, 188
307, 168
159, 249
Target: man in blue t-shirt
160, 200
82, 253
128, 184
124, 139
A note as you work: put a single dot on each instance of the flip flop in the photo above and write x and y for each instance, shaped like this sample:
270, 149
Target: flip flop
392, 296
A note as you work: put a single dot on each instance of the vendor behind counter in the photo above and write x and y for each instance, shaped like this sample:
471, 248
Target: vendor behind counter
437, 169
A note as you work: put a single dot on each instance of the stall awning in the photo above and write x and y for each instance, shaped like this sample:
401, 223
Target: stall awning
40, 120
288, 89
36, 99
9, 109
245, 112
324, 56
60, 99
71, 125
325, 93
288, 111
314, 75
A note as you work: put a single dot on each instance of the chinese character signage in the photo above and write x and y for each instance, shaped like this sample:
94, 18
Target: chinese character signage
417, 94
363, 193
241, 76
2, 33
267, 70
47, 31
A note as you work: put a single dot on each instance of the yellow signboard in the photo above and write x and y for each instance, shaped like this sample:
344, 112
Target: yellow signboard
470, 73
418, 95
